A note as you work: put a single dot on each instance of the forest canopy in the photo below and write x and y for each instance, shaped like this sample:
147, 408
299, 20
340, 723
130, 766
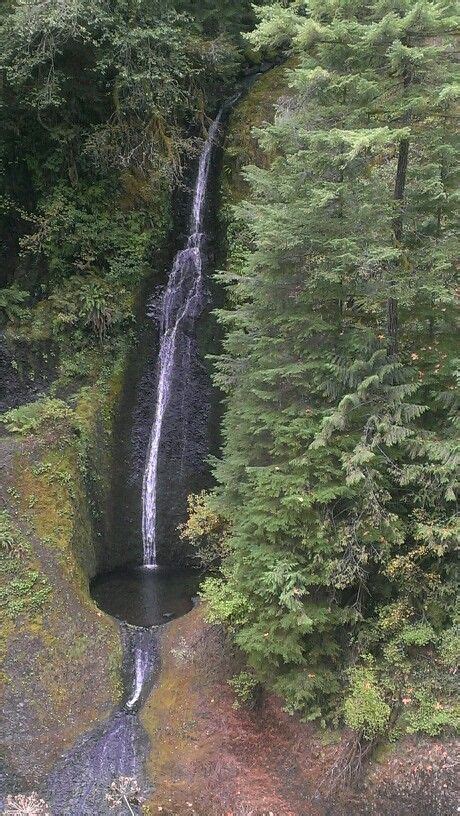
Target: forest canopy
102, 105
337, 487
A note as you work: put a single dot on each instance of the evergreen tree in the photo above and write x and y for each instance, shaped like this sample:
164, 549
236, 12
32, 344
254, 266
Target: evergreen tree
220, 17
338, 471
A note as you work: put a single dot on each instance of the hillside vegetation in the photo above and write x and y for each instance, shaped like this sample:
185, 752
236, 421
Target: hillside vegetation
331, 535
103, 105
335, 508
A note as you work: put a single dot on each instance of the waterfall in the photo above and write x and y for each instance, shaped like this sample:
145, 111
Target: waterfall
182, 304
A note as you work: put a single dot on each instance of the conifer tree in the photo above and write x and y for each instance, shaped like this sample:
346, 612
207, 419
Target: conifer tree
338, 469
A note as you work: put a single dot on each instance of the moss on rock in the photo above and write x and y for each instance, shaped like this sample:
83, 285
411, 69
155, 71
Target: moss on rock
62, 656
241, 146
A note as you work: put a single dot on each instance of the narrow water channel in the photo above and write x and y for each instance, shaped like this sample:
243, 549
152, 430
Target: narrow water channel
80, 781
144, 597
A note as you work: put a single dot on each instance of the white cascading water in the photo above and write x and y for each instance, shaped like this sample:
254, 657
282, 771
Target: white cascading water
141, 665
183, 302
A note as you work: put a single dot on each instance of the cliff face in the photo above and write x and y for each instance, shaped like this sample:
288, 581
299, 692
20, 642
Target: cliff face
64, 450
61, 656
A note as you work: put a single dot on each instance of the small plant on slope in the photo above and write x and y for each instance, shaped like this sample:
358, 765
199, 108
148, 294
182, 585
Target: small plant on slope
124, 791
365, 708
26, 806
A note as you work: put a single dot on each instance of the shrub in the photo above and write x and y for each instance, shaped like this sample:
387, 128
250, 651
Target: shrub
225, 604
83, 303
430, 716
12, 302
450, 647
205, 530
420, 634
247, 690
29, 418
365, 707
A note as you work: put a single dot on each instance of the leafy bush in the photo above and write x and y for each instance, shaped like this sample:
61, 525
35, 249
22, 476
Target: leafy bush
29, 418
420, 634
247, 689
365, 708
205, 530
449, 648
225, 604
430, 716
90, 303
12, 300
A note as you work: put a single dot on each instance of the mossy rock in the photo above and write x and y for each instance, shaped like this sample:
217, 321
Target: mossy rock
61, 655
241, 147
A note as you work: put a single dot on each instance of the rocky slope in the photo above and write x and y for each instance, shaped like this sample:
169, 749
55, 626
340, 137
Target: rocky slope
61, 655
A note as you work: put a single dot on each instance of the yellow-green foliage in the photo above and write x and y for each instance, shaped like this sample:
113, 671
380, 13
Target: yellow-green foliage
78, 446
48, 490
205, 530
449, 647
35, 416
431, 716
365, 708
224, 603
24, 589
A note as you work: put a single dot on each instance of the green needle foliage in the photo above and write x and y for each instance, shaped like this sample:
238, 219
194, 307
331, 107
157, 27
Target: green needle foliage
338, 475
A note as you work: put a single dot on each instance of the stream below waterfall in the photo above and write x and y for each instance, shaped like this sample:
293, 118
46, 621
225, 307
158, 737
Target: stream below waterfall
80, 781
144, 597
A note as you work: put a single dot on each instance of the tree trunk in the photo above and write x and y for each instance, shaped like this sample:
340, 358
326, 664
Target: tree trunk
400, 186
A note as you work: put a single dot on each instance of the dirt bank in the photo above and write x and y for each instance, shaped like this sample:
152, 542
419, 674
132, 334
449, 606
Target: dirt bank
210, 759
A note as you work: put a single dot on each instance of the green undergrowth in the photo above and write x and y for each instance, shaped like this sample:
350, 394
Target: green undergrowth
24, 589
64, 490
241, 145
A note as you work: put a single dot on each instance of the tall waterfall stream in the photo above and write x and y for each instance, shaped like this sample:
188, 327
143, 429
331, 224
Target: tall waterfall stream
183, 303
145, 596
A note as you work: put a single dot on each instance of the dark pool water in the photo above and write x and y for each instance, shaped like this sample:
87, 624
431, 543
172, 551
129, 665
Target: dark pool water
145, 597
